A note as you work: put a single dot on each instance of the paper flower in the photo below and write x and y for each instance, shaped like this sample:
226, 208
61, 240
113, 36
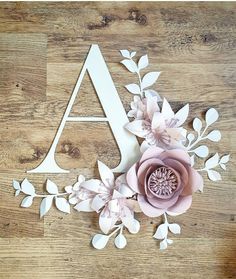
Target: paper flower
164, 181
160, 128
108, 196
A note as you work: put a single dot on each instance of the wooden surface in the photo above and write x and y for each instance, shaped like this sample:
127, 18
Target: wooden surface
42, 48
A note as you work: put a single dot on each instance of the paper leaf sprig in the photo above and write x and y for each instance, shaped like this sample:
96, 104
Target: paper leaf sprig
162, 232
145, 82
28, 189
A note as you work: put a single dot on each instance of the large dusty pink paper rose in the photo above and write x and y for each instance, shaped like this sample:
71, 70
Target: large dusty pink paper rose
164, 181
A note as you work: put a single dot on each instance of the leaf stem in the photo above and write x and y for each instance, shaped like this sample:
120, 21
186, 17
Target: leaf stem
200, 137
55, 195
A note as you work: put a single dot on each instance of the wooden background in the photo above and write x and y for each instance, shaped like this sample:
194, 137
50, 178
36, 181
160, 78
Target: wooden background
42, 48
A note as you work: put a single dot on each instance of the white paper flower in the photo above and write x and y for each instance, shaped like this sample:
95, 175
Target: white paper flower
161, 129
109, 197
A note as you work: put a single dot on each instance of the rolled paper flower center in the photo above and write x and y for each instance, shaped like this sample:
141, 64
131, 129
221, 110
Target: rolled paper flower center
163, 181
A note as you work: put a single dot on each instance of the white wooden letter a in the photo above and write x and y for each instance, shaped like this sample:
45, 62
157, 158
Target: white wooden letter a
114, 111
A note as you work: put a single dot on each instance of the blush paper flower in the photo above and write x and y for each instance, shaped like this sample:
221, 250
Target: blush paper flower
159, 128
109, 197
164, 181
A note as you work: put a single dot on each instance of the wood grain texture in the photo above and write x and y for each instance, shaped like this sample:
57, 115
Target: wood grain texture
42, 48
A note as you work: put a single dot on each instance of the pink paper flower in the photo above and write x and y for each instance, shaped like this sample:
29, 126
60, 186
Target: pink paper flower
164, 181
109, 197
159, 128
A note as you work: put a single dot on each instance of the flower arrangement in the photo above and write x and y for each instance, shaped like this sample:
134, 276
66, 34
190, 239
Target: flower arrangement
160, 183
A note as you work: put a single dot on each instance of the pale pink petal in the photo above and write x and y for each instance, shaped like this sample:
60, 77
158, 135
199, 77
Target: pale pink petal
152, 107
176, 154
182, 115
84, 206
97, 203
117, 195
132, 179
106, 175
152, 152
126, 191
138, 128
127, 218
148, 209
113, 206
107, 221
81, 178
144, 146
158, 121
94, 185
167, 110
133, 205
73, 200
181, 206
69, 189
195, 180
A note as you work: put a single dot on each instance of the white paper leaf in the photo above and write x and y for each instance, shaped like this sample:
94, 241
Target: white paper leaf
201, 151
213, 175
45, 205
174, 228
120, 241
63, 205
130, 65
223, 166
135, 228
163, 244
17, 193
214, 136
106, 174
133, 53
192, 159
51, 187
16, 185
190, 137
224, 159
182, 115
161, 231
27, 187
125, 53
133, 88
212, 162
99, 241
169, 241
149, 79
197, 125
27, 201
152, 93
143, 62
211, 116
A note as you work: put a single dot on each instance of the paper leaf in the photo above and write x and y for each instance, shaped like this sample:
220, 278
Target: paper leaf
223, 166
133, 53
99, 241
190, 137
84, 206
16, 185
45, 205
212, 162
143, 62
201, 151
211, 116
213, 175
51, 187
224, 159
174, 228
27, 201
125, 53
161, 231
130, 65
214, 136
27, 187
152, 93
133, 88
149, 79
120, 241
163, 244
192, 158
135, 227
182, 115
63, 205
17, 193
197, 125
169, 241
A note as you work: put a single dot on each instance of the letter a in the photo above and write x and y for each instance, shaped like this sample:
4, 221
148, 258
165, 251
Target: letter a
114, 111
